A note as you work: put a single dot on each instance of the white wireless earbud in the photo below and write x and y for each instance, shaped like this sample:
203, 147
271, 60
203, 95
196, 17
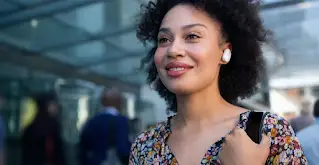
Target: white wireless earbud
226, 56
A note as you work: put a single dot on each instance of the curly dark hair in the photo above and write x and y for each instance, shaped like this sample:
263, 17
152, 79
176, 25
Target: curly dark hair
241, 27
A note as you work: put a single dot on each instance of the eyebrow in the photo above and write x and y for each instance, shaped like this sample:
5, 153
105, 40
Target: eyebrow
167, 30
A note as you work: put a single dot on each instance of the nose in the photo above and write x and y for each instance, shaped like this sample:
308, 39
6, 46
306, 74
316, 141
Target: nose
176, 49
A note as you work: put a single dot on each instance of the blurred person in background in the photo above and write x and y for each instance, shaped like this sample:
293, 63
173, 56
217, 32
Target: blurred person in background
305, 119
105, 137
205, 56
309, 138
41, 140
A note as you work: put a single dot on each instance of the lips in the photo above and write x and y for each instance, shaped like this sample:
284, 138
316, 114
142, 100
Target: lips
177, 69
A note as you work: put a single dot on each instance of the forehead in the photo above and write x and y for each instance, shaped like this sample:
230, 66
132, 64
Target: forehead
185, 14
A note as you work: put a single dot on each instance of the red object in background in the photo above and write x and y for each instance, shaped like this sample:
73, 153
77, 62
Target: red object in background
49, 150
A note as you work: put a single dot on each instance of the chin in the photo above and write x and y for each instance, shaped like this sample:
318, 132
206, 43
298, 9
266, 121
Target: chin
180, 88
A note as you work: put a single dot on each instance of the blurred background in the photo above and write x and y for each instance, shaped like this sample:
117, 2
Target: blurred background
76, 48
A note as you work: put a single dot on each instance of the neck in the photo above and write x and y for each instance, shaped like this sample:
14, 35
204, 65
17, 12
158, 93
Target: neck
203, 106
110, 110
109, 107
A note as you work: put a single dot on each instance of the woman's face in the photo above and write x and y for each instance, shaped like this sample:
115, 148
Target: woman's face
189, 50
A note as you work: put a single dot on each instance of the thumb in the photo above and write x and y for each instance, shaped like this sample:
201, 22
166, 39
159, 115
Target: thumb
265, 141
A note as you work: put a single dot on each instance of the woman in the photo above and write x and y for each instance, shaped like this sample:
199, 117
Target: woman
190, 67
41, 140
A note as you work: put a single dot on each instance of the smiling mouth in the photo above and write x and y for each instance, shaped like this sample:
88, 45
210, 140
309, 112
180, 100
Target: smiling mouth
176, 69
177, 72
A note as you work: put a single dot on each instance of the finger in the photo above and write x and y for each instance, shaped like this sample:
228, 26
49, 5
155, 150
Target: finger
239, 132
224, 146
226, 138
231, 137
265, 141
236, 131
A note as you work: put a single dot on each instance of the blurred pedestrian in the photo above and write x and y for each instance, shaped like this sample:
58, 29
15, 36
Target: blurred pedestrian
41, 140
304, 120
105, 137
309, 138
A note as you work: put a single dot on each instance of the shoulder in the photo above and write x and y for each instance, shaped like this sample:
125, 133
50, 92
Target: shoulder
274, 126
285, 147
306, 131
122, 118
151, 134
148, 138
306, 134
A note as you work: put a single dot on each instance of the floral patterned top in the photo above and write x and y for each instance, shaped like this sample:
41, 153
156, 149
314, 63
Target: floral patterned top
151, 148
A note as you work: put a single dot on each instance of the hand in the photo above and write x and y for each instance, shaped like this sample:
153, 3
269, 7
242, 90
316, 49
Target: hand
239, 149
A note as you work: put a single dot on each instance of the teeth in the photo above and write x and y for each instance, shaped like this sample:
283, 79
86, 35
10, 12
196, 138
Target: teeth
176, 69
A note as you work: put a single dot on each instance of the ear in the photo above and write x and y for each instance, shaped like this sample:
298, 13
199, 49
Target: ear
222, 49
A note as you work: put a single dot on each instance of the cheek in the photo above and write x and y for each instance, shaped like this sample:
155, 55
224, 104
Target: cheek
197, 52
204, 55
207, 60
159, 57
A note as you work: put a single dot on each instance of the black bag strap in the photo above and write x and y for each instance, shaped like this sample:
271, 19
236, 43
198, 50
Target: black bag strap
254, 125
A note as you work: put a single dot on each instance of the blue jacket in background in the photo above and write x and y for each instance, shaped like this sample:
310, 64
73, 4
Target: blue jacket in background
101, 134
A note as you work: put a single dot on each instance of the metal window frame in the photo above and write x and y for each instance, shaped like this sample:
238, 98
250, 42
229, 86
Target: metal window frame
38, 62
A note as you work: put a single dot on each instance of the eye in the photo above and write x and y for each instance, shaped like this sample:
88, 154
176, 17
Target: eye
192, 36
162, 40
